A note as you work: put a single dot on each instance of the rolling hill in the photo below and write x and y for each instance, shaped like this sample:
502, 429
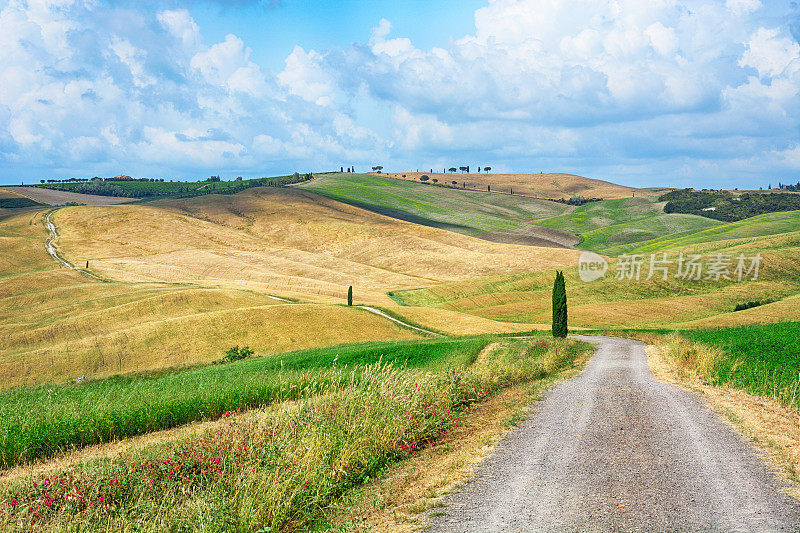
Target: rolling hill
546, 185
494, 217
611, 224
185, 279
656, 303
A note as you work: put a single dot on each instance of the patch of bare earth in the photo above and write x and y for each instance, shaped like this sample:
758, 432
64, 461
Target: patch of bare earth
772, 427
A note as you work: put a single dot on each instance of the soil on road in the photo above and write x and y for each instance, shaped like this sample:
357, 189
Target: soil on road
615, 450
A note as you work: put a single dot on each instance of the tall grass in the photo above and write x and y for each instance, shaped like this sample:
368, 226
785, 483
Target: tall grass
40, 422
278, 470
762, 360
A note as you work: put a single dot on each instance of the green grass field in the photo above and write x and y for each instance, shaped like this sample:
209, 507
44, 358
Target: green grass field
620, 303
759, 226
606, 226
467, 212
38, 422
280, 469
762, 360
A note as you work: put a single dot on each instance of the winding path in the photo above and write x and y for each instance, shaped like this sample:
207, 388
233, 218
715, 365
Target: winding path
398, 321
50, 242
615, 450
50, 246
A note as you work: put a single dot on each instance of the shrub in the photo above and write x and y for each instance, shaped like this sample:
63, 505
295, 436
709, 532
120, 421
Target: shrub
748, 305
237, 354
424, 178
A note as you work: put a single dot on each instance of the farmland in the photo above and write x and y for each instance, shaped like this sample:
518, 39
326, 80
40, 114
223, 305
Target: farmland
545, 185
164, 287
759, 359
355, 423
611, 302
480, 214
185, 279
609, 225
41, 421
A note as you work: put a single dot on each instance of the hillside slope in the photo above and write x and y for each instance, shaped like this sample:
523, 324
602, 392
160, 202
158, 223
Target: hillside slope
657, 303
607, 226
186, 279
290, 242
54, 197
494, 217
548, 185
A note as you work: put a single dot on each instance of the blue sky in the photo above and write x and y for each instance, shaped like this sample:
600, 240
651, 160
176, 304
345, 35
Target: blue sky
701, 93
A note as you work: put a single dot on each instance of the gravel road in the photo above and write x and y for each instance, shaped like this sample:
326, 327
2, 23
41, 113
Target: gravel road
615, 450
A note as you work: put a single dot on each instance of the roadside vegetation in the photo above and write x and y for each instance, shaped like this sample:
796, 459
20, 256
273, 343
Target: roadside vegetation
761, 360
281, 468
39, 422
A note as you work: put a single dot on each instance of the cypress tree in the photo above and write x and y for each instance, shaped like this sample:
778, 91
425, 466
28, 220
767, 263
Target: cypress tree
350, 295
559, 306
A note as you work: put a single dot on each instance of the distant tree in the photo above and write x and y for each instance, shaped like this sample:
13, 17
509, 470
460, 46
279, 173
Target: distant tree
462, 169
559, 306
238, 178
512, 190
452, 169
487, 169
465, 184
42, 181
479, 170
350, 296
489, 188
377, 169
424, 178
454, 182
435, 180
341, 170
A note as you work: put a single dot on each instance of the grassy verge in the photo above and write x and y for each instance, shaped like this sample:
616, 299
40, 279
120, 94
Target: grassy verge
280, 470
761, 360
394, 502
40, 422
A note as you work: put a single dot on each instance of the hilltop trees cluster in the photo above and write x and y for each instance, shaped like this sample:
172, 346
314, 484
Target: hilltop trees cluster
727, 206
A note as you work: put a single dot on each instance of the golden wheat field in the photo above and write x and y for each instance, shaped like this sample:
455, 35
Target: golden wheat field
180, 281
548, 185
655, 303
283, 241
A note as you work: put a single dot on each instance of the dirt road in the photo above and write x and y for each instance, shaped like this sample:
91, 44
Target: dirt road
615, 450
